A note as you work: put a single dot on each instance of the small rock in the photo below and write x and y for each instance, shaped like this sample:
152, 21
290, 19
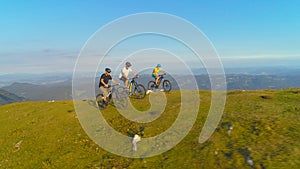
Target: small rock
17, 146
228, 132
135, 140
250, 161
149, 91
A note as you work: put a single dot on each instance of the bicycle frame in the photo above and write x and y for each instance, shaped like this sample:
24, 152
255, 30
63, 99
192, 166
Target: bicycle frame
165, 83
109, 93
160, 79
135, 87
131, 84
113, 93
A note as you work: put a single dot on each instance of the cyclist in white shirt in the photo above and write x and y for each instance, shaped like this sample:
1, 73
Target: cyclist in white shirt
125, 72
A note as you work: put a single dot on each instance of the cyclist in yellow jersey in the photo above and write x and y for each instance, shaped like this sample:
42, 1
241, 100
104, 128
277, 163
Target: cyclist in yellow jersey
155, 72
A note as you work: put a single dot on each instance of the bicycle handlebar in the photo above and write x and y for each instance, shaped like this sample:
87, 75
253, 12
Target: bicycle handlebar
136, 77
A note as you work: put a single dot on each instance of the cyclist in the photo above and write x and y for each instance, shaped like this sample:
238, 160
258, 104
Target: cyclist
125, 72
155, 72
103, 83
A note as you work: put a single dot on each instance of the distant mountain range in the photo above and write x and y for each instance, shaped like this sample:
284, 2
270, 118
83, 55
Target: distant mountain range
49, 79
55, 79
278, 71
233, 81
34, 92
59, 87
7, 97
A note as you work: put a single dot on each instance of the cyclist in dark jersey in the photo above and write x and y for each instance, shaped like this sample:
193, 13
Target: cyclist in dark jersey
103, 83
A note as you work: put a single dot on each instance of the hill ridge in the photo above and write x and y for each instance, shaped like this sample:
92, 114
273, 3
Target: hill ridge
7, 97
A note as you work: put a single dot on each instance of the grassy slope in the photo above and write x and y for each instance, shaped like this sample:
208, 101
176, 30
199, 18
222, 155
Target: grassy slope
267, 130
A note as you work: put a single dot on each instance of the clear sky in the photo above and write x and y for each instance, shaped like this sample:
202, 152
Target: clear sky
46, 36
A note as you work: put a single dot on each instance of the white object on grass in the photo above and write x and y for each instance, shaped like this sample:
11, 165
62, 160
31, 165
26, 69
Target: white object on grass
135, 139
229, 130
149, 91
249, 161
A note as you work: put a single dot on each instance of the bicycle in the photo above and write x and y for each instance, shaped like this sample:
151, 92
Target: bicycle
166, 84
137, 91
120, 98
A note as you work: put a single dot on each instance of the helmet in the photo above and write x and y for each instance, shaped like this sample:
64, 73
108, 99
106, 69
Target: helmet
128, 64
158, 65
107, 70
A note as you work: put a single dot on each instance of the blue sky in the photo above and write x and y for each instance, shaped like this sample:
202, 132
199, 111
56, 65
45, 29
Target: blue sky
46, 36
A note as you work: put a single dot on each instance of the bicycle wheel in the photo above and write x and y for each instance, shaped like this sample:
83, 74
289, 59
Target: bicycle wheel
151, 85
100, 101
139, 91
120, 98
167, 85
121, 102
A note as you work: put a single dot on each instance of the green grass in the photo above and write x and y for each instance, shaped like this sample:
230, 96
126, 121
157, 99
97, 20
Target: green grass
50, 135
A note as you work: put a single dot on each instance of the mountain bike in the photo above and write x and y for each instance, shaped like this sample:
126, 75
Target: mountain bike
166, 84
118, 95
137, 91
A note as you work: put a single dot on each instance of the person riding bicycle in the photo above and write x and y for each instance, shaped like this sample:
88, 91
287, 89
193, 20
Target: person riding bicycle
155, 72
125, 72
103, 83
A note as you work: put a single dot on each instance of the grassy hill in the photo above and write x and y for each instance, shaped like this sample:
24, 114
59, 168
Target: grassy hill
265, 128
